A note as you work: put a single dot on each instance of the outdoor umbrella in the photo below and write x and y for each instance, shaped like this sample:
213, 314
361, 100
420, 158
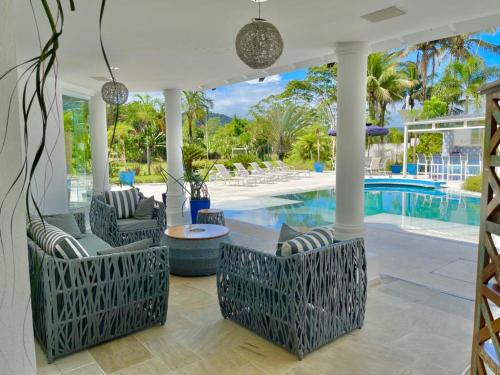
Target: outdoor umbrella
371, 131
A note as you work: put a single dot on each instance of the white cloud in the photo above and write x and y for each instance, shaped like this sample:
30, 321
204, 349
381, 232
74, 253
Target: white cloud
238, 98
267, 81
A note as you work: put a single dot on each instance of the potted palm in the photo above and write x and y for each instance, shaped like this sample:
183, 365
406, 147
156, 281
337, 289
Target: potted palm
194, 184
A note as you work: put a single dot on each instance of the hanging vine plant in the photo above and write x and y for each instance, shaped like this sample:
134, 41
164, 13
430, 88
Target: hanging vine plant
31, 82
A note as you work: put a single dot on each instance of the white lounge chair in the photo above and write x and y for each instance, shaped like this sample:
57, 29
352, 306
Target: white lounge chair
300, 172
271, 169
455, 167
473, 164
257, 170
438, 168
225, 175
375, 166
242, 172
422, 165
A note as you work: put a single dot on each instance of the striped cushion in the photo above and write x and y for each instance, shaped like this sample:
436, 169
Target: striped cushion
314, 239
54, 241
124, 201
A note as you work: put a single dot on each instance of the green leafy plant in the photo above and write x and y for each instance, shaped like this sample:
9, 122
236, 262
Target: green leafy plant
473, 183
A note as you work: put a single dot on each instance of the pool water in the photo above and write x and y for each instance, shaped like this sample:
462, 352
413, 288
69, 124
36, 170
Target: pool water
317, 208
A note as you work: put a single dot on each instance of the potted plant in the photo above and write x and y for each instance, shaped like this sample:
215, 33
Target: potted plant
194, 183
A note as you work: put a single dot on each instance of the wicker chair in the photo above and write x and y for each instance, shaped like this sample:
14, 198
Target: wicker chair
300, 302
83, 302
104, 223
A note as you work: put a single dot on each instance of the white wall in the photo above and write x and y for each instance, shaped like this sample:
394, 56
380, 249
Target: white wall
17, 354
49, 182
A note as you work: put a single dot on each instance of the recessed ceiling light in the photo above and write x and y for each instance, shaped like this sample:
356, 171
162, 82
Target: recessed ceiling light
383, 14
259, 1
114, 68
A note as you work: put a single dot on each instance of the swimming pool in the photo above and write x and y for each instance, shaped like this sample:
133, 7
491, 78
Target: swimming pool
316, 208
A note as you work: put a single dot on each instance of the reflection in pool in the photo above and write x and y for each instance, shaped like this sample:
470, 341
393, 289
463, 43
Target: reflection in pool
317, 208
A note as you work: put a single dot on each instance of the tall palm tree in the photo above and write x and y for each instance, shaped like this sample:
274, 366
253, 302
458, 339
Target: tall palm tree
467, 77
195, 104
427, 55
284, 121
410, 71
463, 46
385, 83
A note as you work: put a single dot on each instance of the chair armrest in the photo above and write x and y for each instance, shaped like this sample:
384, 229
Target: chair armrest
103, 218
160, 215
80, 220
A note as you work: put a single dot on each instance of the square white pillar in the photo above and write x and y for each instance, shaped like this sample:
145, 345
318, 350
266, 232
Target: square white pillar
99, 143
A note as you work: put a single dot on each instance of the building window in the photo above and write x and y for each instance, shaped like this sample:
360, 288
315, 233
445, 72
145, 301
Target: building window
78, 156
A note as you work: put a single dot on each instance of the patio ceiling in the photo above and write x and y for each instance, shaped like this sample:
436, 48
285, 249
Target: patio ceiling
189, 44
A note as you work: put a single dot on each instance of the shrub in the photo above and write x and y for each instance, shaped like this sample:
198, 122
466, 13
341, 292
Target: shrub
473, 183
244, 159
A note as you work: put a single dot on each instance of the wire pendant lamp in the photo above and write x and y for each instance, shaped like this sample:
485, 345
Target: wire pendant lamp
259, 43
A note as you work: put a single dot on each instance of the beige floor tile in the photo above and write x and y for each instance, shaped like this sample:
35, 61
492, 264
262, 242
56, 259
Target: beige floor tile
93, 369
48, 370
153, 366
120, 353
74, 361
173, 353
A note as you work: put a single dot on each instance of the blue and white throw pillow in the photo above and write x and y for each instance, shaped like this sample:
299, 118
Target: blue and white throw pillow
54, 241
314, 239
124, 201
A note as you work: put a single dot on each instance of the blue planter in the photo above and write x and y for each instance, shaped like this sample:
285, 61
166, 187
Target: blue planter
412, 168
396, 169
196, 205
319, 167
127, 177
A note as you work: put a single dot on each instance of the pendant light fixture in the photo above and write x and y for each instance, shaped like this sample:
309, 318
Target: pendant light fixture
259, 43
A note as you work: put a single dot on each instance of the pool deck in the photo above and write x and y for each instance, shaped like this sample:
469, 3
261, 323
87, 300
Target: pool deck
437, 254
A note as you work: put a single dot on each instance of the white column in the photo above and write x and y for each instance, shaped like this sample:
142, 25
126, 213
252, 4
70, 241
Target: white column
17, 351
351, 117
405, 150
99, 143
175, 193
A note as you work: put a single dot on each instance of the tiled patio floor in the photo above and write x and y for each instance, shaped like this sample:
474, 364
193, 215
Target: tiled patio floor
409, 329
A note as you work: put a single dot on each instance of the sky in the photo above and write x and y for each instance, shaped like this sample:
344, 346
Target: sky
237, 99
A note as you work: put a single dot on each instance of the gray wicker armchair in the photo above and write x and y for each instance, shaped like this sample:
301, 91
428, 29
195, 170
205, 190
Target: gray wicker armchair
300, 302
104, 223
78, 303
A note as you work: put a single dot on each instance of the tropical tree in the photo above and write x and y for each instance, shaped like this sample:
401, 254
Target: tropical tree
318, 88
410, 71
308, 140
385, 84
282, 123
123, 132
195, 107
145, 115
426, 55
463, 46
465, 78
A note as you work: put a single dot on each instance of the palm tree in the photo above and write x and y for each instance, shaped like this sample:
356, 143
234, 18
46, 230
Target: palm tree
385, 83
463, 46
409, 70
467, 77
426, 54
145, 115
195, 105
284, 121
